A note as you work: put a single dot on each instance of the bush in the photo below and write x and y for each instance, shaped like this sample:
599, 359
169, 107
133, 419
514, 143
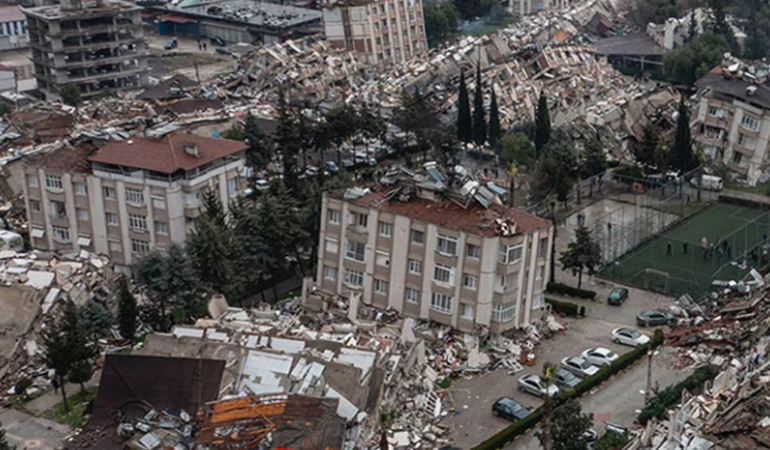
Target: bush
563, 289
564, 308
611, 440
673, 394
522, 426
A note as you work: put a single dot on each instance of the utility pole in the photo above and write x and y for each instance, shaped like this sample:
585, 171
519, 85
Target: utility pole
647, 393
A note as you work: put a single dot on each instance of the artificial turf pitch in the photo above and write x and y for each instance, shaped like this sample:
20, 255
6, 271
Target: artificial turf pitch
743, 228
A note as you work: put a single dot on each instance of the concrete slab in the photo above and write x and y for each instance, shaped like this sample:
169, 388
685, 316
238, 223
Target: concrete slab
26, 431
18, 307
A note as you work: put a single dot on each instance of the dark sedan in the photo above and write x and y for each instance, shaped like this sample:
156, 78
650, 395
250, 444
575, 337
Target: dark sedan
566, 378
510, 409
617, 296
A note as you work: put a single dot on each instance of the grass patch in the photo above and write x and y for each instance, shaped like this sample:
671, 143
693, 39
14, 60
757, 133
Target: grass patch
760, 188
78, 404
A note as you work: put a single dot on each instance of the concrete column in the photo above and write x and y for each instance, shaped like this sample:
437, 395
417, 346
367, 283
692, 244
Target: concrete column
46, 207
319, 272
98, 218
344, 222
459, 278
371, 255
399, 252
487, 278
120, 192
427, 269
69, 204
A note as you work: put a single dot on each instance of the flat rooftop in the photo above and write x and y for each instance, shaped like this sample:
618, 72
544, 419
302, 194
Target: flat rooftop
55, 12
261, 14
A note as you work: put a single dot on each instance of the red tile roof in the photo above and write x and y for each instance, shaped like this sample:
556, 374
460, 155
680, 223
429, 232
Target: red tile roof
474, 219
167, 154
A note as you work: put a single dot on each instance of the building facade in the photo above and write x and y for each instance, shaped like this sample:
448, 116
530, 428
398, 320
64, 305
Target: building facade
129, 196
435, 259
13, 28
382, 32
527, 7
95, 48
731, 122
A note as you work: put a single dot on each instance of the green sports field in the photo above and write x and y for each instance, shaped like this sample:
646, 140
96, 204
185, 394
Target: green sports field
742, 228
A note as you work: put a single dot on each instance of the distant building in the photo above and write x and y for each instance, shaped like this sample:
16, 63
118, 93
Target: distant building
129, 196
379, 31
527, 7
96, 47
13, 28
635, 52
731, 118
435, 256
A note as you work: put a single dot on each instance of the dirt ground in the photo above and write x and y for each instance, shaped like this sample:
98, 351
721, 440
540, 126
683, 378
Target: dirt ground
19, 306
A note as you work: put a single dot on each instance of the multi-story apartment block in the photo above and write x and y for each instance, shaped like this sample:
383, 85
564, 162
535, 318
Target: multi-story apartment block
129, 196
454, 262
381, 32
731, 120
527, 7
98, 47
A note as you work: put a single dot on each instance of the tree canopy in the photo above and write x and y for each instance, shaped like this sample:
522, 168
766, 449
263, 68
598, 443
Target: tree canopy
464, 120
583, 254
479, 115
542, 124
441, 21
696, 58
681, 156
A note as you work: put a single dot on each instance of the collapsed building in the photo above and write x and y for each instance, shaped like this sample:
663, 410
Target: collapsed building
94, 47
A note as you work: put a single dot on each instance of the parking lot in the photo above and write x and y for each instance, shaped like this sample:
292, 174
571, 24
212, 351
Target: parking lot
473, 397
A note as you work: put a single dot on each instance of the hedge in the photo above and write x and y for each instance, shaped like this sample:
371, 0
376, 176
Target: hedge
565, 308
520, 427
563, 289
672, 395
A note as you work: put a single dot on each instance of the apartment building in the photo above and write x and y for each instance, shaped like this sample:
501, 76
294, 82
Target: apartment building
381, 32
527, 7
127, 197
731, 122
453, 261
96, 47
13, 28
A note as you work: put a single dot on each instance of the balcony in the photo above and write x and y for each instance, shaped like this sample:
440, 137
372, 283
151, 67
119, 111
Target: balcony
720, 122
743, 150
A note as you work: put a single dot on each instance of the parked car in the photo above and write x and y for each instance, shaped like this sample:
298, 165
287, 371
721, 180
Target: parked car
534, 385
579, 366
629, 336
262, 185
510, 409
591, 435
311, 171
348, 163
224, 51
600, 356
218, 41
710, 182
171, 44
362, 159
564, 377
331, 167
617, 296
653, 317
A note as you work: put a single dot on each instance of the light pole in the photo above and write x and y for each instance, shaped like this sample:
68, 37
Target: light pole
647, 394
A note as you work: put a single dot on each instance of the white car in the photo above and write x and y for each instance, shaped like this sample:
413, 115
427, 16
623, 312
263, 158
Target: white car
534, 385
262, 185
629, 336
579, 366
600, 356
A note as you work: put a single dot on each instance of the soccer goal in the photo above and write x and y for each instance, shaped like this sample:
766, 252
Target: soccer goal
656, 280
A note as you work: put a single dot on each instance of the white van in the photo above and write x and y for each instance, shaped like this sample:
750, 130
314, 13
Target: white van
710, 182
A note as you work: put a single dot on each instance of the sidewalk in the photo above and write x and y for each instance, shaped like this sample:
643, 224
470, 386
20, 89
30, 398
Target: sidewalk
50, 399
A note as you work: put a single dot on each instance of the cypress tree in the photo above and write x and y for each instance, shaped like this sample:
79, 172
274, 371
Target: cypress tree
542, 125
127, 312
464, 127
681, 156
479, 116
495, 132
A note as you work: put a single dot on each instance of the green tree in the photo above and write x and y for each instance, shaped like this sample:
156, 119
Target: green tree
646, 151
260, 151
753, 16
557, 170
517, 147
417, 116
681, 156
81, 352
250, 254
441, 21
611, 440
548, 377
4, 109
719, 24
582, 255
653, 11
594, 157
688, 63
95, 319
569, 425
464, 120
4, 445
479, 115
58, 355
542, 125
287, 140
692, 30
70, 95
209, 248
495, 130
128, 312
342, 123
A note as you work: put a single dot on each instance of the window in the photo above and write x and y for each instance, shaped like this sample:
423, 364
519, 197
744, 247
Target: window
137, 222
34, 205
510, 254
109, 193
542, 248
381, 286
412, 295
466, 311
446, 245
441, 303
356, 251
386, 229
334, 215
53, 182
382, 258
539, 272
135, 196
161, 227
474, 251
503, 312
112, 218
60, 234
332, 245
80, 189
354, 277
418, 237
330, 273
444, 274
139, 247
358, 219
742, 139
58, 209
82, 214
232, 186
415, 267
749, 122
32, 180
470, 282
737, 157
